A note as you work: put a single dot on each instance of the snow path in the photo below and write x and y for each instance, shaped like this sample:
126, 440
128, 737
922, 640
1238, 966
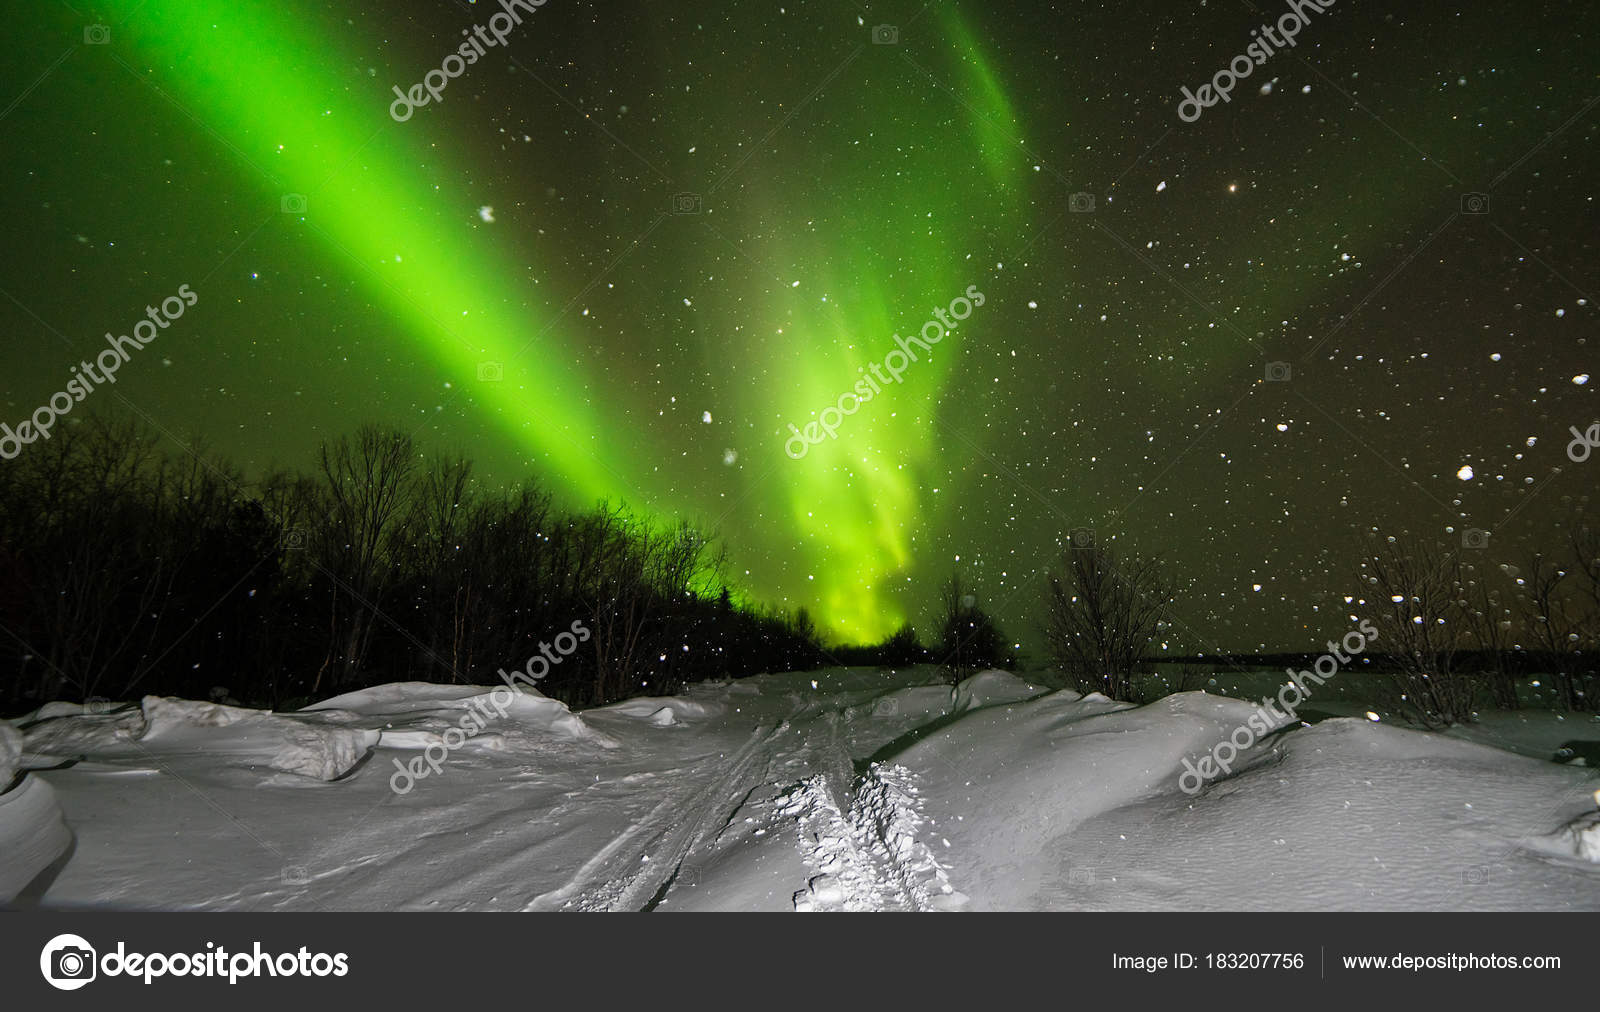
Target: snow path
625, 875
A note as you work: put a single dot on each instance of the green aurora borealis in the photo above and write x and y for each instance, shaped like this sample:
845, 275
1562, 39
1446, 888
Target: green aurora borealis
845, 190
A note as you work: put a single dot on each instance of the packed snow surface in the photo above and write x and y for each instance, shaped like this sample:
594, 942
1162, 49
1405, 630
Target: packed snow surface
849, 789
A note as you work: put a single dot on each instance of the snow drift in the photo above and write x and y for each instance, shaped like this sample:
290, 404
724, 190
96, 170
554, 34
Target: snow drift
33, 835
847, 789
161, 728
1076, 804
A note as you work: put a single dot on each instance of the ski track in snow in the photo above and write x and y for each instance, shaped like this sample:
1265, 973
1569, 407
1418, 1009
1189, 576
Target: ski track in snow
859, 839
835, 761
867, 856
631, 871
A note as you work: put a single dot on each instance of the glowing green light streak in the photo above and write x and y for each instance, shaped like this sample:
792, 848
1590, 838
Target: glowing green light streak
252, 71
857, 502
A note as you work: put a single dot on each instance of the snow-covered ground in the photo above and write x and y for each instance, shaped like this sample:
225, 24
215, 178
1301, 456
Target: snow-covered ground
845, 789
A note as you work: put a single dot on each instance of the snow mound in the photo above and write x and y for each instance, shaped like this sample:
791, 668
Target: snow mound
401, 698
987, 688
33, 834
249, 737
416, 714
62, 708
162, 727
168, 714
1010, 780
75, 730
650, 707
1077, 804
10, 753
1585, 836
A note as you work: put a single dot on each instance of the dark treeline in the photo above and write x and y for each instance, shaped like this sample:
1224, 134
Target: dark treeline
125, 571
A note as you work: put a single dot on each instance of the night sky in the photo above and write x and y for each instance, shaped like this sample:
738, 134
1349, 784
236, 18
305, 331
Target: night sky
628, 249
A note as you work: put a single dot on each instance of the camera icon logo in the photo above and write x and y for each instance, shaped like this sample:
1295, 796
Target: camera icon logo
294, 539
1080, 876
885, 35
294, 203
68, 962
1080, 203
295, 875
1082, 538
1475, 876
1279, 372
1474, 203
1472, 537
491, 372
886, 707
686, 203
96, 35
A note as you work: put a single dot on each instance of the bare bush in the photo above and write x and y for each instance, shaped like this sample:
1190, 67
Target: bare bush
1554, 623
1490, 630
1103, 614
1419, 598
969, 639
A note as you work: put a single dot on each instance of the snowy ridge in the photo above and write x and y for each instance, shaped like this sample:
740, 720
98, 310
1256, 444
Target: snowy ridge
302, 745
869, 857
413, 715
10, 753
